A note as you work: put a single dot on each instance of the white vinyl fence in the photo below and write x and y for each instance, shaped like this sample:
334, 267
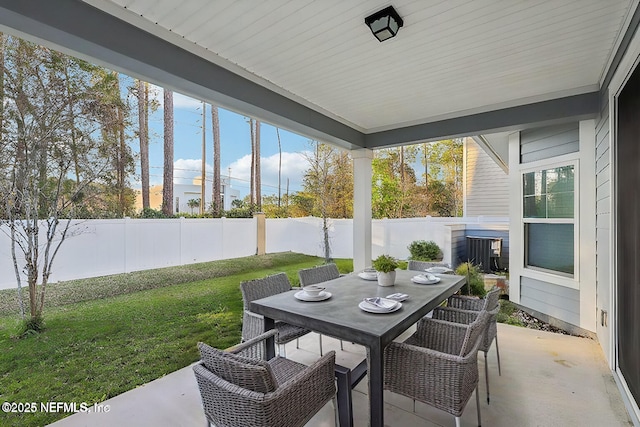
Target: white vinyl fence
103, 247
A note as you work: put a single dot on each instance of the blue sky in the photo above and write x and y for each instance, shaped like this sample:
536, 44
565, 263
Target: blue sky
235, 147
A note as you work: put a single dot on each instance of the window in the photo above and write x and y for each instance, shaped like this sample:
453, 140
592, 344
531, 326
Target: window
549, 219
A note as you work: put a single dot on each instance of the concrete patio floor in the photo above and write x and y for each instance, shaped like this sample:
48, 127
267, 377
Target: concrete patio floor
547, 380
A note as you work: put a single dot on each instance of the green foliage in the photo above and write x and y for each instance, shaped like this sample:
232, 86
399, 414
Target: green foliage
246, 211
302, 204
385, 263
442, 199
475, 280
506, 314
394, 183
421, 250
272, 210
152, 213
73, 291
193, 204
327, 184
30, 326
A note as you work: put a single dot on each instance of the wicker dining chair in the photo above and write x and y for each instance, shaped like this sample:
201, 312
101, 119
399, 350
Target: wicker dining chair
423, 265
462, 303
438, 364
253, 323
319, 274
239, 388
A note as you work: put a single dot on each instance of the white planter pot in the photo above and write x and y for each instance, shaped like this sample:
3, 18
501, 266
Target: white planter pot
387, 279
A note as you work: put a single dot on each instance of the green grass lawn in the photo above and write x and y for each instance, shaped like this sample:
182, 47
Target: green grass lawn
96, 349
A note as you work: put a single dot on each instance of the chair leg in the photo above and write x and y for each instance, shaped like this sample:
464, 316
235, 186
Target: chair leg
486, 375
498, 354
282, 350
335, 409
478, 406
458, 424
320, 336
341, 346
297, 343
414, 406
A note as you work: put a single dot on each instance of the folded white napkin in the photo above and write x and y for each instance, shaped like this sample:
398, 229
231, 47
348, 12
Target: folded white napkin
381, 303
398, 296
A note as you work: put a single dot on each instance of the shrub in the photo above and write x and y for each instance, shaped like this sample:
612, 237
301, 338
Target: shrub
421, 250
385, 263
475, 280
151, 213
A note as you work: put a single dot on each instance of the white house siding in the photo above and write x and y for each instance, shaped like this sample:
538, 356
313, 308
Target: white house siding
487, 185
569, 300
603, 228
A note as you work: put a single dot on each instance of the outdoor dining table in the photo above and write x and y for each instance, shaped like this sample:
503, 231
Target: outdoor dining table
339, 316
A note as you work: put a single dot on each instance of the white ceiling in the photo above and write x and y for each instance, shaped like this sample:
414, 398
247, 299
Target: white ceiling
451, 58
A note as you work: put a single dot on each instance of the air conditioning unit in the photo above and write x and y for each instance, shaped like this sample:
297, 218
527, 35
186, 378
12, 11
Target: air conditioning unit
484, 252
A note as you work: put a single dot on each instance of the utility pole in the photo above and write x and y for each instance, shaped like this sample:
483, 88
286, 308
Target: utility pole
204, 160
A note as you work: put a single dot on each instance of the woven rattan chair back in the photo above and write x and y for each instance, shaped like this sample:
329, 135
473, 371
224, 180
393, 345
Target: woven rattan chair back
265, 287
314, 275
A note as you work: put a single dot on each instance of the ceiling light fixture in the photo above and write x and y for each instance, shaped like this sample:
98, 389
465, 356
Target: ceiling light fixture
385, 23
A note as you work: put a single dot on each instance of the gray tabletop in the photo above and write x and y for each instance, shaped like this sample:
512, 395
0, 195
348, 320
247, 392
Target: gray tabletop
340, 316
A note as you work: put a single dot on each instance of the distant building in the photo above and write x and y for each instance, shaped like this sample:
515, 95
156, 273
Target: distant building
182, 193
486, 181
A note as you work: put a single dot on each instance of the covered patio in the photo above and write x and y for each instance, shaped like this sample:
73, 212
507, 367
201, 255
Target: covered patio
547, 380
537, 82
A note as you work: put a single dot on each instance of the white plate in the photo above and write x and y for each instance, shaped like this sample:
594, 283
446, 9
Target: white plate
439, 270
303, 296
365, 306
422, 280
368, 276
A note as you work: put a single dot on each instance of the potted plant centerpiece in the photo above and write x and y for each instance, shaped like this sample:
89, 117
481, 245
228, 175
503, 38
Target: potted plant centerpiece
386, 266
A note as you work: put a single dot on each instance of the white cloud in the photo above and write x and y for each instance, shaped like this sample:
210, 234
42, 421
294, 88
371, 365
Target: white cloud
185, 170
293, 167
183, 101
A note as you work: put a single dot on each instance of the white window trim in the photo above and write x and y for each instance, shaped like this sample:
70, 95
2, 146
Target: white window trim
545, 275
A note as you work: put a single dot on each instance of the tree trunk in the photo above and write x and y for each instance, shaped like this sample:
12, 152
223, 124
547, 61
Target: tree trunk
144, 141
217, 185
2, 47
167, 176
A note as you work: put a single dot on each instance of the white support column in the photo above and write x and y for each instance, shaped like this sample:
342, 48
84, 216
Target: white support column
587, 225
516, 240
362, 174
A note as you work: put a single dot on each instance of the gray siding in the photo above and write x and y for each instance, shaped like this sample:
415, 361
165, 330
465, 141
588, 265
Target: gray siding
548, 142
487, 184
458, 247
557, 301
